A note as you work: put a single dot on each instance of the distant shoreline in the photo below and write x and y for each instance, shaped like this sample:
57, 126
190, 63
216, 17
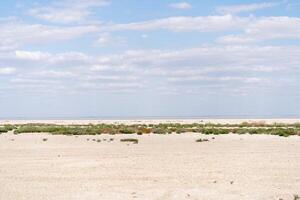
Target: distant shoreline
149, 121
200, 117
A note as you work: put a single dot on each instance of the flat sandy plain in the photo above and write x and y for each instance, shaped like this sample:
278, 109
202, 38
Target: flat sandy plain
159, 167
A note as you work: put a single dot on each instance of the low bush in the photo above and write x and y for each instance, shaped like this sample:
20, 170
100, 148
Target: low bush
127, 131
133, 140
6, 128
144, 130
159, 131
202, 140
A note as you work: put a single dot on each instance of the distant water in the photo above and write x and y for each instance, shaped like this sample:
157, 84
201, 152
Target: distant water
154, 117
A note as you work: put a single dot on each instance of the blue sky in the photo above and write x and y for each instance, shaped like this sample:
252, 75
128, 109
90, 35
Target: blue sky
117, 58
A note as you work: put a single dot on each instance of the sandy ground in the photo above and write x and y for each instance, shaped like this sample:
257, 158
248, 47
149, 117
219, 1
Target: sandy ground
160, 167
151, 121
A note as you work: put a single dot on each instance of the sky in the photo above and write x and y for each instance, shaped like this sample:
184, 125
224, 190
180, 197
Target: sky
149, 58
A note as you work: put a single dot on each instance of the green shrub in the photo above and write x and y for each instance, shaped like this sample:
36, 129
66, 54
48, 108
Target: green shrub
127, 131
297, 125
244, 124
159, 131
2, 130
6, 128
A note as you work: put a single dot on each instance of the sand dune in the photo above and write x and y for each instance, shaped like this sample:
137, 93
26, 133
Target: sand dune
160, 167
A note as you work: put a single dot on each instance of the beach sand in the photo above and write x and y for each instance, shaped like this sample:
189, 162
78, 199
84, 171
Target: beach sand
159, 167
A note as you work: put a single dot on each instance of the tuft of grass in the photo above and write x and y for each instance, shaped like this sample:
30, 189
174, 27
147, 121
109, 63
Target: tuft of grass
296, 197
45, 139
135, 141
202, 140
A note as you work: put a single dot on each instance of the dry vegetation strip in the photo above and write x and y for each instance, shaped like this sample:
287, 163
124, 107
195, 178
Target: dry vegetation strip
208, 129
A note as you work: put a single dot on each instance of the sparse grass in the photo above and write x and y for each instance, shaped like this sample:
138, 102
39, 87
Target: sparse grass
215, 131
283, 130
133, 140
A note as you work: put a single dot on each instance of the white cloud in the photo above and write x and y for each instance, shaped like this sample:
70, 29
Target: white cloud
266, 28
181, 5
71, 58
234, 9
24, 81
54, 74
113, 87
26, 55
243, 79
238, 65
107, 39
232, 67
15, 33
7, 70
111, 78
61, 16
104, 40
74, 58
185, 24
67, 11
